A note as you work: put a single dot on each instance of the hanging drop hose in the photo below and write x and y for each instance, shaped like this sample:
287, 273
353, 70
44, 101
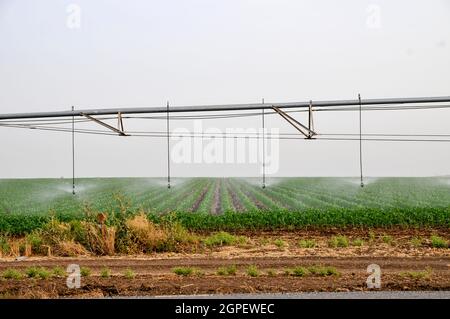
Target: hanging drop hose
263, 150
73, 153
360, 140
168, 148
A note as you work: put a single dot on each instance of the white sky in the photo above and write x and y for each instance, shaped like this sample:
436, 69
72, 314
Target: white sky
143, 53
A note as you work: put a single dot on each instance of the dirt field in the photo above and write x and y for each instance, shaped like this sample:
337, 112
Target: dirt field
403, 266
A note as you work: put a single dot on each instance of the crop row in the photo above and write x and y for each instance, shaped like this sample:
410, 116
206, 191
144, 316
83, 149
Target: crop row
217, 196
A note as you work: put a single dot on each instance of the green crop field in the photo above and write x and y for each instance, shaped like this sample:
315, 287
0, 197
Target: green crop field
217, 195
312, 200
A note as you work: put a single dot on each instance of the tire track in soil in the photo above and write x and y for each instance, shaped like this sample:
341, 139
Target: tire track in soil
216, 209
200, 199
238, 207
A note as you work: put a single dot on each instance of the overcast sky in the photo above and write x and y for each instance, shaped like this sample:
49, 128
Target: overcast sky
143, 53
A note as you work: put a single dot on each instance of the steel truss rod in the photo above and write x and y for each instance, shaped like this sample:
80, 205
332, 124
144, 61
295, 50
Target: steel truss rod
225, 107
299, 126
310, 120
112, 128
120, 122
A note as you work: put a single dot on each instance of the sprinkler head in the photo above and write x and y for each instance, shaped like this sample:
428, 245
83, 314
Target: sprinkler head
362, 184
168, 186
264, 186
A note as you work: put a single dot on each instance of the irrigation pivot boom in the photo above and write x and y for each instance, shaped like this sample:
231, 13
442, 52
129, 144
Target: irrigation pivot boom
224, 107
308, 131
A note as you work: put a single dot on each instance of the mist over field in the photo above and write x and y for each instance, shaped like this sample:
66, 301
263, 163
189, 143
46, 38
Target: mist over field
218, 195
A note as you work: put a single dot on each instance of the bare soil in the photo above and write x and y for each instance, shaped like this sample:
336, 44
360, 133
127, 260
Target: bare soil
404, 266
200, 199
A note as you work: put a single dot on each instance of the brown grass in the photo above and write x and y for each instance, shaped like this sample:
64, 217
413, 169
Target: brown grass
14, 248
100, 240
70, 249
145, 234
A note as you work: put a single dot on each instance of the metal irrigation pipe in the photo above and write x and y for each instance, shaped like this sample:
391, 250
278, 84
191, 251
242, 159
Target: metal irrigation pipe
224, 107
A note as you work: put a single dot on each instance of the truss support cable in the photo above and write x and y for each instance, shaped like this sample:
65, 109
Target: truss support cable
168, 147
310, 121
263, 150
112, 128
120, 122
73, 153
360, 141
298, 126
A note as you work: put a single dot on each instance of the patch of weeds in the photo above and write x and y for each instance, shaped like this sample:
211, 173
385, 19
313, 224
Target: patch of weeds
425, 274
438, 242
307, 243
323, 271
372, 237
32, 272
338, 241
241, 240
358, 242
227, 271
198, 272
11, 273
37, 272
288, 272
253, 271
85, 271
105, 273
271, 273
35, 240
44, 273
58, 272
222, 271
299, 272
387, 239
129, 274
281, 244
183, 271
220, 239
416, 241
